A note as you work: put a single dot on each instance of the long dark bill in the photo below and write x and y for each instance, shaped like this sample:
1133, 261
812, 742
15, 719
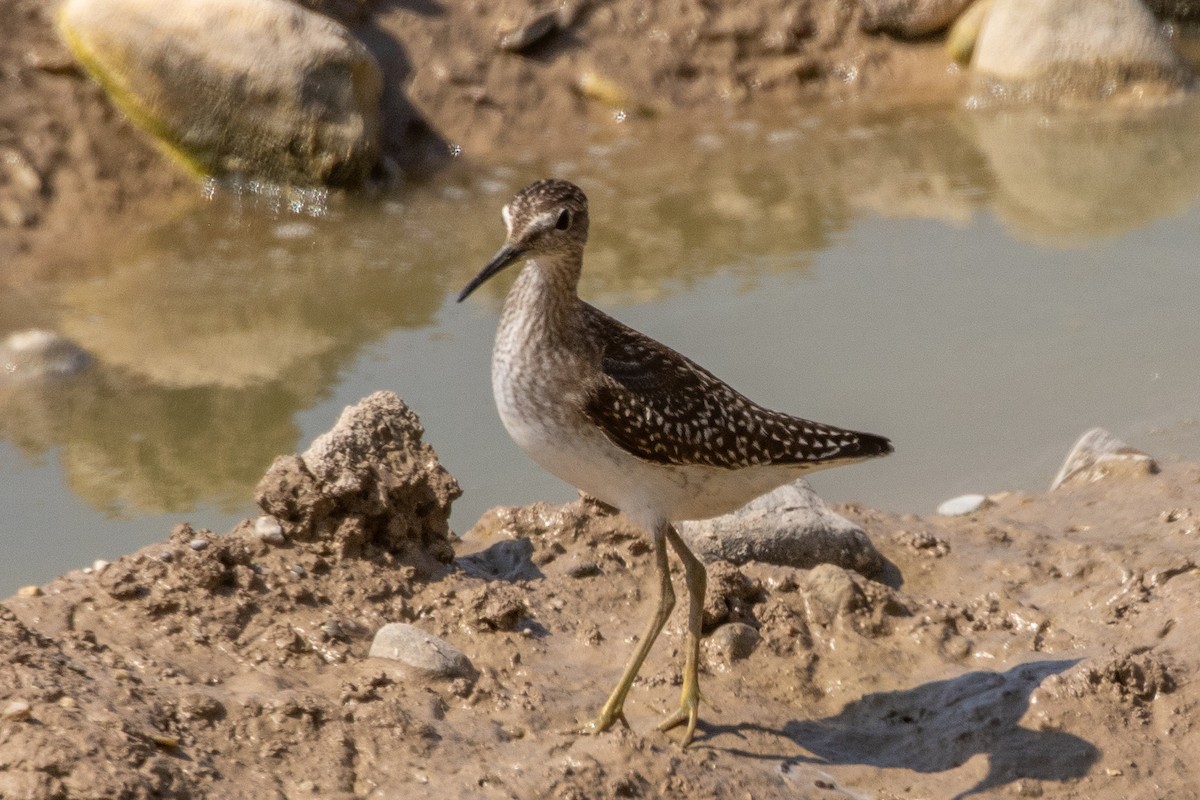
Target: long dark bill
507, 255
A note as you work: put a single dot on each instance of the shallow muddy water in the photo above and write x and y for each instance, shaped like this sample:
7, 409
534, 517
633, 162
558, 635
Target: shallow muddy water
982, 288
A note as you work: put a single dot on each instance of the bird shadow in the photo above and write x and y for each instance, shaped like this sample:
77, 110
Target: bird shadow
938, 726
510, 560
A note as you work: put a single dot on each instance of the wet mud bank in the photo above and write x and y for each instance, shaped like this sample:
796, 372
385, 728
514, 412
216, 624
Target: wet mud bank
1039, 645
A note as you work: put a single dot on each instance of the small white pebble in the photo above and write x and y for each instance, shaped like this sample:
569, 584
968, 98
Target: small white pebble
269, 530
29, 591
299, 570
963, 504
99, 565
17, 709
198, 544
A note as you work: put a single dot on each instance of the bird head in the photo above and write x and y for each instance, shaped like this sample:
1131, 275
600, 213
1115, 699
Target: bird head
546, 218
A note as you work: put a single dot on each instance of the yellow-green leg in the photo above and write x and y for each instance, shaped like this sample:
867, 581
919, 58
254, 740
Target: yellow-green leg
697, 581
614, 707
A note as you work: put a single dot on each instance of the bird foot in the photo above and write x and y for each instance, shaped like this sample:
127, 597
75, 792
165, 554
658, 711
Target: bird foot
689, 713
604, 721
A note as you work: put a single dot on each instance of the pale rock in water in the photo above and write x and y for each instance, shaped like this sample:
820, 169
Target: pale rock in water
38, 355
261, 89
1085, 48
1099, 455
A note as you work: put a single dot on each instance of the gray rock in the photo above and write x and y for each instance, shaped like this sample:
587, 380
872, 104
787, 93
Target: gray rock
38, 355
963, 504
1099, 455
734, 641
791, 527
909, 18
422, 651
1088, 48
256, 88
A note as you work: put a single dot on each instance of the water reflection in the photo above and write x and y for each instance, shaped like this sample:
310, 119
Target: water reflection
217, 325
1070, 177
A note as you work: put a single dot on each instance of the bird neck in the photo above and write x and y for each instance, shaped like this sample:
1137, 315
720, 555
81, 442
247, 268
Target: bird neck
544, 300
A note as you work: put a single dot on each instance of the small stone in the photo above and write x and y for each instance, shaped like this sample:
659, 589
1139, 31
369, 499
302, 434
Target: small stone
422, 651
584, 569
68, 702
299, 571
963, 504
29, 591
736, 640
606, 91
529, 33
17, 709
99, 565
960, 41
198, 544
162, 740
268, 529
38, 355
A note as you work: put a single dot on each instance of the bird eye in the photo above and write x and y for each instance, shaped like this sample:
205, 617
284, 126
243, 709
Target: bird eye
564, 220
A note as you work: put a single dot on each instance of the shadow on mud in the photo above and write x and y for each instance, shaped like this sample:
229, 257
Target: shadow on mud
940, 725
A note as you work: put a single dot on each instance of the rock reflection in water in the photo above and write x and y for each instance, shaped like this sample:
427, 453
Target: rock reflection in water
1068, 177
215, 328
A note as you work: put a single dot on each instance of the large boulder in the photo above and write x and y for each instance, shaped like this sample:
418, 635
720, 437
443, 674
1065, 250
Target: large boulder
1086, 48
256, 88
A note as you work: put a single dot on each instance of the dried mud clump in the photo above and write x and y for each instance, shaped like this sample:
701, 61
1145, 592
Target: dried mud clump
370, 482
731, 596
1134, 678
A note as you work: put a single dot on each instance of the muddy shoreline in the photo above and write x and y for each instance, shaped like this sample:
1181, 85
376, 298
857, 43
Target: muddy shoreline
1039, 646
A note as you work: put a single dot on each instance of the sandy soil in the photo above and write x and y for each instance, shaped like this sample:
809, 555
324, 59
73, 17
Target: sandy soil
1039, 647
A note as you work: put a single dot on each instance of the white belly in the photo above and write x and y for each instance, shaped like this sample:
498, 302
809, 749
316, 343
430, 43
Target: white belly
573, 449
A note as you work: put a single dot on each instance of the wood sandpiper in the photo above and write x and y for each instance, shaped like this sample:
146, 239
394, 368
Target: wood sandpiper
629, 420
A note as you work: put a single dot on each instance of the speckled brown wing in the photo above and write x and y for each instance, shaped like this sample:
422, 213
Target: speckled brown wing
664, 408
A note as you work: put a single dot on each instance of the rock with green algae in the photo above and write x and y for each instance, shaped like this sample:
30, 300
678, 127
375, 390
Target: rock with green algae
260, 89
